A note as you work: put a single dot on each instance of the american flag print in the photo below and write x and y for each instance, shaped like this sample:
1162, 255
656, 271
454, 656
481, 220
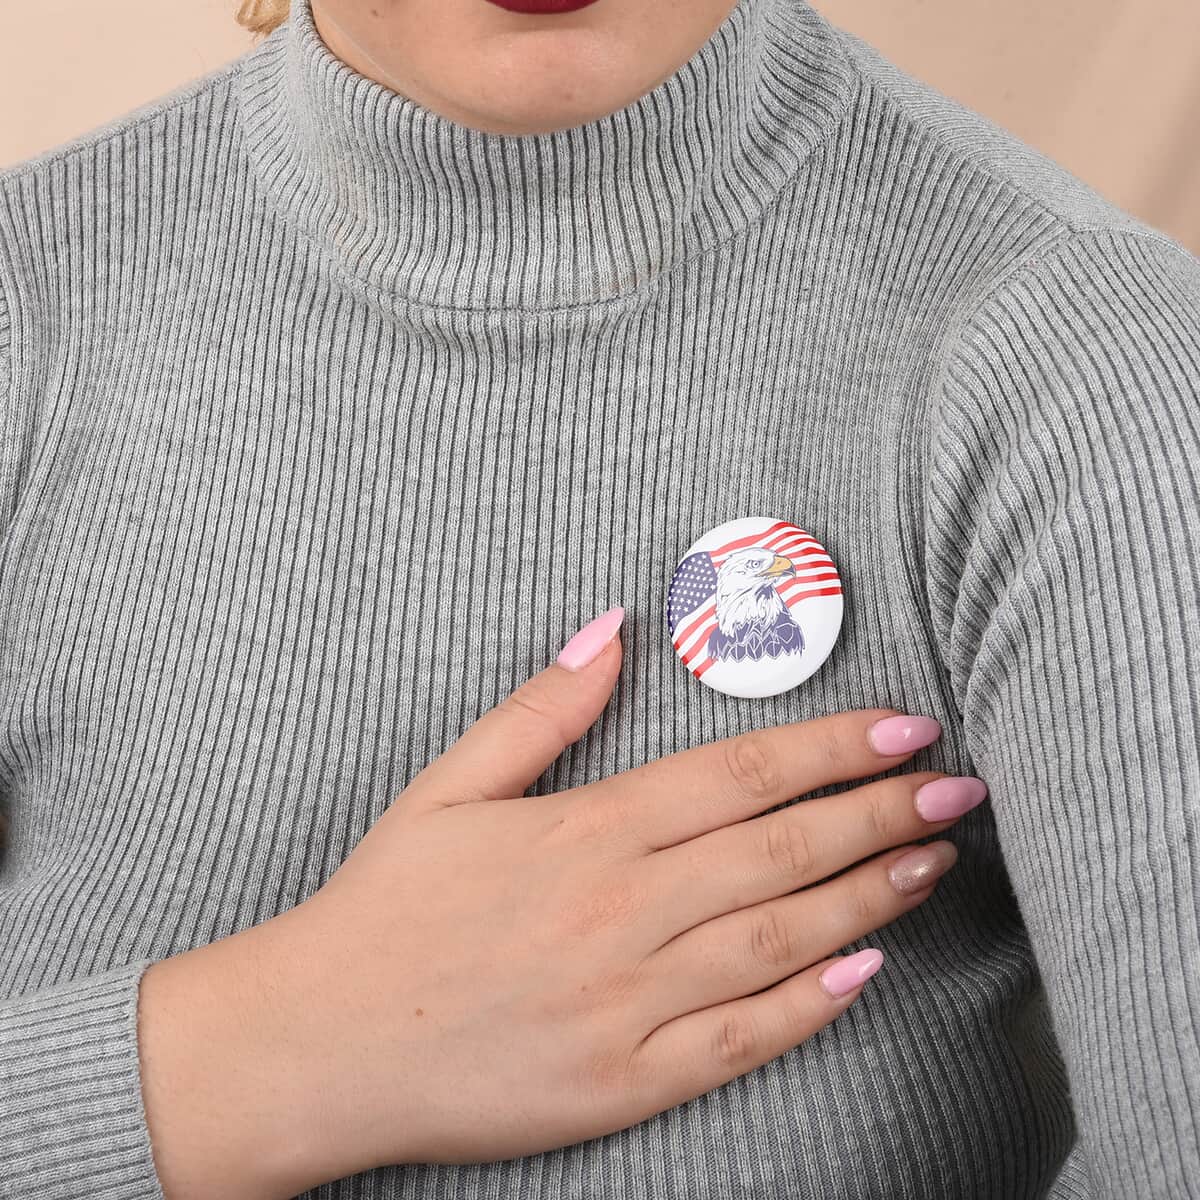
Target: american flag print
723, 585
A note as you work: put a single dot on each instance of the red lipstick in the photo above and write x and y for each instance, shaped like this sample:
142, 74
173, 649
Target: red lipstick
542, 6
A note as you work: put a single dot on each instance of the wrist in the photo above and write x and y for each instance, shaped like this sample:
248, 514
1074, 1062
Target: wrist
230, 1105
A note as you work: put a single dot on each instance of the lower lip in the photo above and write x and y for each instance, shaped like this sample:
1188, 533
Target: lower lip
541, 6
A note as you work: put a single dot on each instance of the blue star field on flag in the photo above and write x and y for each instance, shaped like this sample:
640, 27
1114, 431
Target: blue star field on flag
695, 584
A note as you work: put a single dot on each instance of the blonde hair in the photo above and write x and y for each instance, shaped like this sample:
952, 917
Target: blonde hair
261, 16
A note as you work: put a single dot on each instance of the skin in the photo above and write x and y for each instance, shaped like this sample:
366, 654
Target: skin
517, 73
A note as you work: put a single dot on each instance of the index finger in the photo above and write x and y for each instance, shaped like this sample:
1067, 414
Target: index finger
692, 792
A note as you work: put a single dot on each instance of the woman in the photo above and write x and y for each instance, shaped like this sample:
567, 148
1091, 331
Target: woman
343, 385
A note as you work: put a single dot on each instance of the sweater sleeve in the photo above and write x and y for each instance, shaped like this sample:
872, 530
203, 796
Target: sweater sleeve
71, 1117
1062, 547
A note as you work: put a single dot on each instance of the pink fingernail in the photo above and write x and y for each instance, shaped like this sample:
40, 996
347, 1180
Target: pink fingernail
586, 645
903, 735
950, 797
847, 973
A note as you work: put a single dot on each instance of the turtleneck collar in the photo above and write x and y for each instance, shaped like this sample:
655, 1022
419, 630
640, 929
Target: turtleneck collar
427, 210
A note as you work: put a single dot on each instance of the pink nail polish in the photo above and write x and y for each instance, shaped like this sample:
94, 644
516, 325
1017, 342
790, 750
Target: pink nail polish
586, 645
847, 973
945, 798
903, 735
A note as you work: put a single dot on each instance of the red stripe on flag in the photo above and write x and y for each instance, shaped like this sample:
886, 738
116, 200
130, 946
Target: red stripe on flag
752, 539
708, 662
802, 580
706, 615
701, 646
829, 591
788, 535
794, 555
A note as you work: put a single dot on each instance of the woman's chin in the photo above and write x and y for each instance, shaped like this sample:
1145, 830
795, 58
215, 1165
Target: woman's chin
525, 114
537, 99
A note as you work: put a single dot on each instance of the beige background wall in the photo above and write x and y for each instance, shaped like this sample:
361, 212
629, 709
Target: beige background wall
1109, 88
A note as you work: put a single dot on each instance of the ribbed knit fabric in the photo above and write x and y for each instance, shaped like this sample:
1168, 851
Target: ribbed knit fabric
324, 422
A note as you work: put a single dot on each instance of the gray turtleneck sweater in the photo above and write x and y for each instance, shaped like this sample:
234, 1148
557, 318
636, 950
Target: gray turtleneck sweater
325, 421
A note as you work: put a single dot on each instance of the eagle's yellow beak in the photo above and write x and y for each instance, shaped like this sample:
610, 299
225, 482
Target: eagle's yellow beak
781, 566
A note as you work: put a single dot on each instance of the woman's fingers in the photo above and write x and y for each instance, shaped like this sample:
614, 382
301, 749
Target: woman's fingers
744, 864
693, 792
505, 751
695, 1053
755, 983
753, 948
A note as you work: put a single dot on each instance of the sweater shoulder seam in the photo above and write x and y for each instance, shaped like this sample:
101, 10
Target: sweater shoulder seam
6, 370
1076, 236
1067, 237
871, 83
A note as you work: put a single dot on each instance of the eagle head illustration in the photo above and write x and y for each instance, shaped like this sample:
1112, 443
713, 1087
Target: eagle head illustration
752, 620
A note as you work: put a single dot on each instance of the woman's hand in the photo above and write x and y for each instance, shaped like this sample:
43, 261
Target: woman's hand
497, 975
490, 975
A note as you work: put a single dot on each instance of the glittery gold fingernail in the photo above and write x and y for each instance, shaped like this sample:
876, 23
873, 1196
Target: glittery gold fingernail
918, 868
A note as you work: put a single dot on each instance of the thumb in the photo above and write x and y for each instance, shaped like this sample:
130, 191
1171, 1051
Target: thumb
513, 743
